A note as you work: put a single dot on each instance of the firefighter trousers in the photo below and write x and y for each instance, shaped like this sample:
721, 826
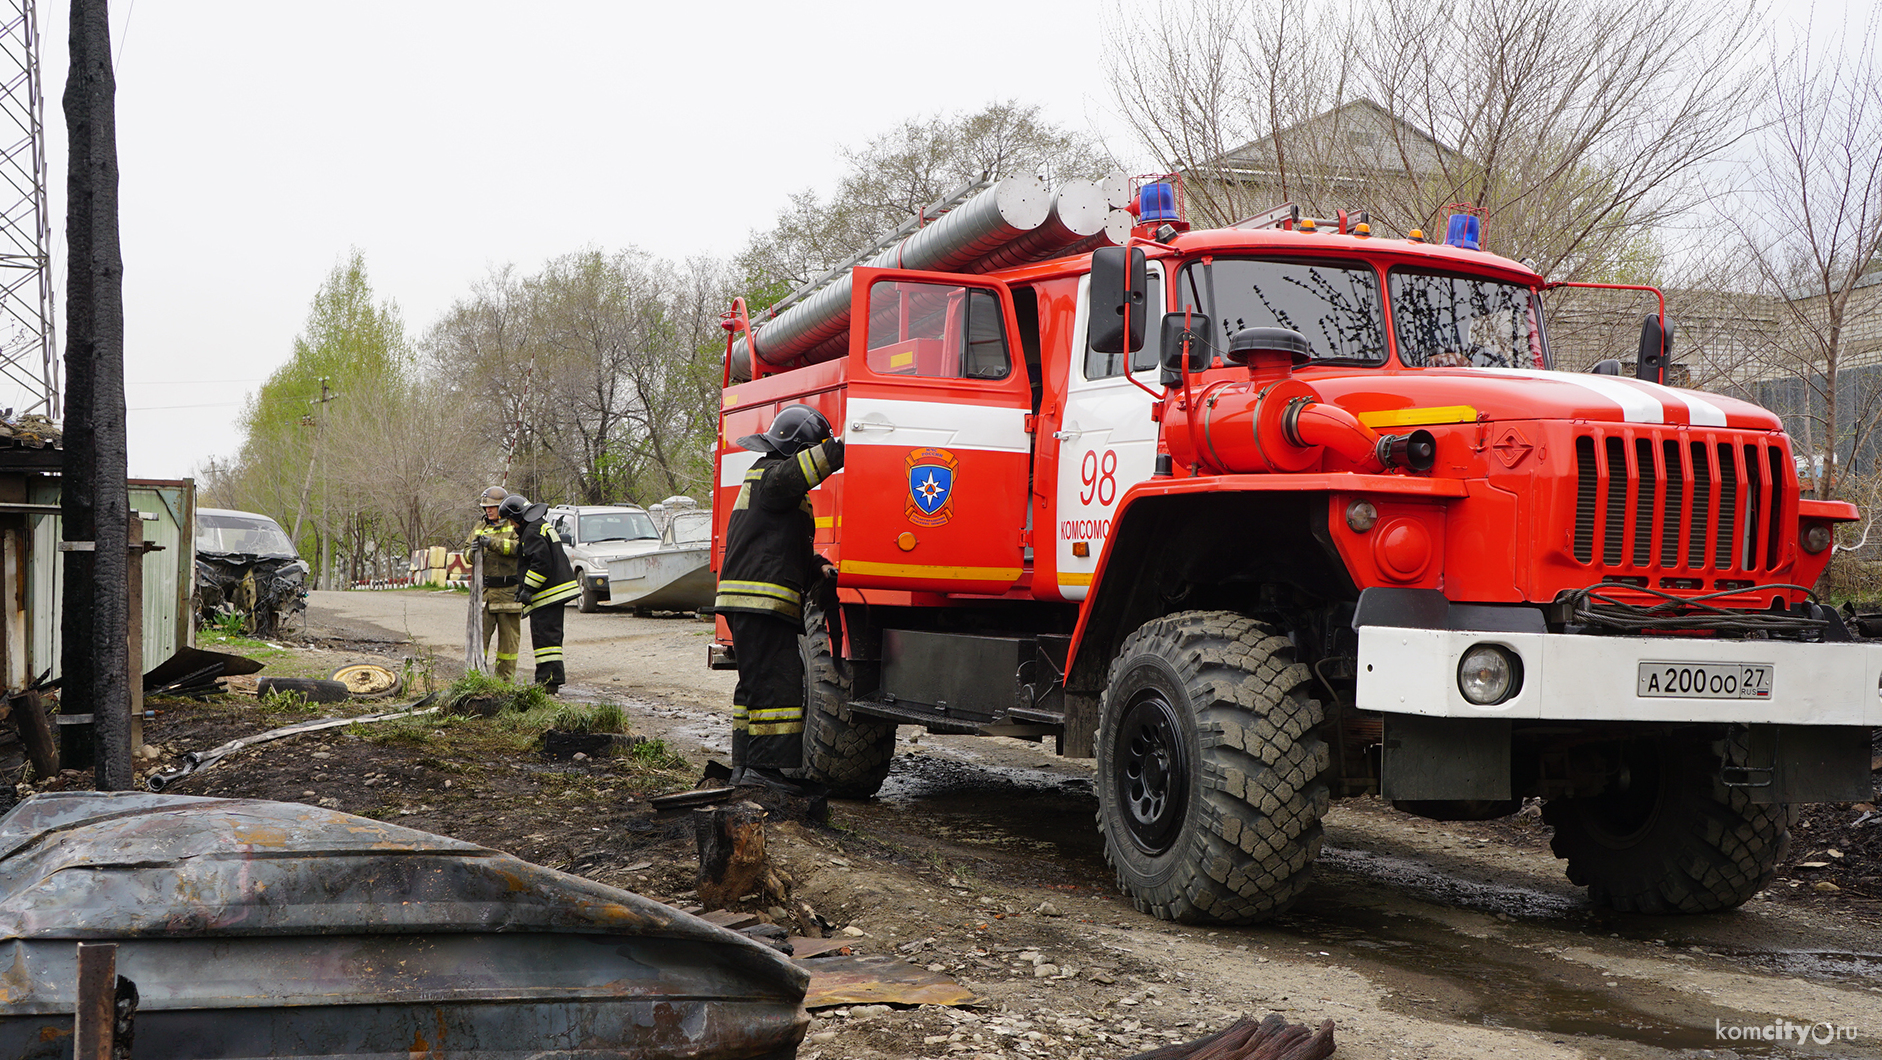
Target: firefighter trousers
545, 635
768, 705
507, 624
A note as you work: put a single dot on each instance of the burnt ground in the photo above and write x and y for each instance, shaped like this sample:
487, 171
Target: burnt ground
980, 861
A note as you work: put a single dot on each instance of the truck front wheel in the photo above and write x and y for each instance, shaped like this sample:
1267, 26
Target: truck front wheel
1211, 771
848, 753
1669, 836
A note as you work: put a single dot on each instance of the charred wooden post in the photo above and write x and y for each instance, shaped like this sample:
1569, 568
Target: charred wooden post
35, 729
732, 859
94, 500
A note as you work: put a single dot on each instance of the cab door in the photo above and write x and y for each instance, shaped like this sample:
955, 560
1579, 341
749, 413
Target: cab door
937, 451
1107, 444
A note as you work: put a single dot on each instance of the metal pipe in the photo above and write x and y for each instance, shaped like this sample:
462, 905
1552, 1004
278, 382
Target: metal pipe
1117, 229
965, 234
1078, 212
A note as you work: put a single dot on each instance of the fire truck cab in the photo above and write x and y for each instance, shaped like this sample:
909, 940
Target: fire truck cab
1261, 517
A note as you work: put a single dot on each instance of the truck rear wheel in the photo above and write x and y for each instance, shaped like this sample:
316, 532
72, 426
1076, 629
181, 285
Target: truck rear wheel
1211, 772
848, 753
1675, 839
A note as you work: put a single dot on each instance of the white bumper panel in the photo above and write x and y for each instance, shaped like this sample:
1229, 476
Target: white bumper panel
1586, 678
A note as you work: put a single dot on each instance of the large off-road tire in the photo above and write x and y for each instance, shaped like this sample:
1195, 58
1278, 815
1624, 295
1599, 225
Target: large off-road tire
848, 753
1675, 839
1212, 775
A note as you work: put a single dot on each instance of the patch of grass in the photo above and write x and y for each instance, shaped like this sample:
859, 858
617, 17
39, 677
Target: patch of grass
515, 698
521, 730
655, 754
237, 644
418, 730
602, 717
278, 702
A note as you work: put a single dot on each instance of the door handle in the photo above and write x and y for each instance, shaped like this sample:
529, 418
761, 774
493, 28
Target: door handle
864, 425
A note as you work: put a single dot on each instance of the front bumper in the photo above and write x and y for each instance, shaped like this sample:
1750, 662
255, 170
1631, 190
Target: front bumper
1568, 677
596, 583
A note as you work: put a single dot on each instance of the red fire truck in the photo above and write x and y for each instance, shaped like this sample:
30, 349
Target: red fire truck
1268, 515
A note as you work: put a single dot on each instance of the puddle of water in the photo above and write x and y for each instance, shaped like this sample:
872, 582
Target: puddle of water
1435, 885
1503, 987
1038, 811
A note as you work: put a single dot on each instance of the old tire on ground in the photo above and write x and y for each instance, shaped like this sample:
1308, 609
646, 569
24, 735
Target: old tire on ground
848, 753
1212, 776
368, 680
1675, 839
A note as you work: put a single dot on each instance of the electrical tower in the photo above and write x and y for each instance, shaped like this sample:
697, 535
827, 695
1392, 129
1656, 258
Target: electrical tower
29, 356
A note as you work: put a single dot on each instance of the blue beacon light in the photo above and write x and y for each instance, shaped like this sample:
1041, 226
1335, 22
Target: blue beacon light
1156, 202
1463, 232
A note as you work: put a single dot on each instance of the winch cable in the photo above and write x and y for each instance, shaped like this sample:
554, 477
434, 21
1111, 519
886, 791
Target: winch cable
1593, 606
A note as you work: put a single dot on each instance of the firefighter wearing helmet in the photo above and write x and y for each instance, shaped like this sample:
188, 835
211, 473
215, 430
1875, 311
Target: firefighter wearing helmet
548, 582
497, 540
769, 565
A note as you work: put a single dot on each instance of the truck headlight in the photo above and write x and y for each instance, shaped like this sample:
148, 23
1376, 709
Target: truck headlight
1489, 674
1816, 538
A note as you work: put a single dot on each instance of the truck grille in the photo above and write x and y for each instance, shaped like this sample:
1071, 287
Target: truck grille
1657, 501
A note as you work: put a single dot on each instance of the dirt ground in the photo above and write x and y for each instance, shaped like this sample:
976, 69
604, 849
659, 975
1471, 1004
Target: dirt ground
980, 860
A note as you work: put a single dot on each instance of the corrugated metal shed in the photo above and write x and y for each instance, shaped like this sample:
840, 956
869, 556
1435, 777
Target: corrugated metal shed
168, 511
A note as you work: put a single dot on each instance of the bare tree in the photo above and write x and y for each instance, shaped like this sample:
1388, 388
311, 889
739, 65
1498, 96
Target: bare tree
480, 351
1809, 220
895, 175
1573, 125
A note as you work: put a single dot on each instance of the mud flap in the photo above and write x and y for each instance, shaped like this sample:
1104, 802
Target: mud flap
1805, 763
1445, 758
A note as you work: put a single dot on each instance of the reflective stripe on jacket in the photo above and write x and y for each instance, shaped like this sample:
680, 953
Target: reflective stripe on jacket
770, 533
544, 567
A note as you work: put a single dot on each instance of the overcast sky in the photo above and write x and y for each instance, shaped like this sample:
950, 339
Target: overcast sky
259, 141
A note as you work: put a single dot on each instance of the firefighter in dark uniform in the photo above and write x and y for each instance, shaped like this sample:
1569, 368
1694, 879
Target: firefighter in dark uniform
496, 538
547, 582
769, 565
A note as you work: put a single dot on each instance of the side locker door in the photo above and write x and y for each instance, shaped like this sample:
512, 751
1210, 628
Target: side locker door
937, 451
1107, 443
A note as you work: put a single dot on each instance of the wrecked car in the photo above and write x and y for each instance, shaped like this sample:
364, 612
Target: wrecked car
246, 565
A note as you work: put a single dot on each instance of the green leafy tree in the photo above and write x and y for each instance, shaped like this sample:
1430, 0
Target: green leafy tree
357, 348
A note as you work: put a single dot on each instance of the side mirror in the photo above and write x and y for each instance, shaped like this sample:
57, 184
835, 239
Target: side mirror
1607, 366
1175, 338
1656, 350
1118, 281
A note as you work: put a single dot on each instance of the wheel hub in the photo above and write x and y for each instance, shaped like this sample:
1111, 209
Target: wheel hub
1150, 771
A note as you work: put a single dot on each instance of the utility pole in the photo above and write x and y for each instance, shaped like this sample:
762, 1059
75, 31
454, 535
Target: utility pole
317, 420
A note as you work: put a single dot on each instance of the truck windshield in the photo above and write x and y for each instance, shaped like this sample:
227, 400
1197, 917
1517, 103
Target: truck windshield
1335, 305
617, 526
1465, 322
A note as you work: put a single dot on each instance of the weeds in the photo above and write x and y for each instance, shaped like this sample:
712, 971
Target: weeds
605, 717
514, 698
275, 701
418, 730
655, 754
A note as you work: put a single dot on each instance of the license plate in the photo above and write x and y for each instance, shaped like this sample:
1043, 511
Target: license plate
1689, 680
